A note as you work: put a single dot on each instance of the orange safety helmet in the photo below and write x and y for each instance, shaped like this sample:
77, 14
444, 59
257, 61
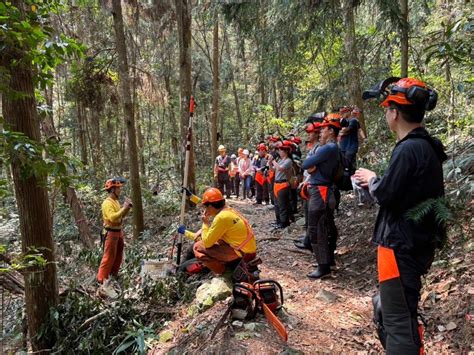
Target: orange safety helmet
403, 92
262, 146
115, 182
212, 195
332, 119
285, 145
315, 126
345, 109
296, 140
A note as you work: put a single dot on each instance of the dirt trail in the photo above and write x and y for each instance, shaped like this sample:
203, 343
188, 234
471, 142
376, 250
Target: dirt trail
333, 315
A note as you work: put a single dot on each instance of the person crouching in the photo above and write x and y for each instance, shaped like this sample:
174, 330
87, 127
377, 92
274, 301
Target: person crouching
224, 241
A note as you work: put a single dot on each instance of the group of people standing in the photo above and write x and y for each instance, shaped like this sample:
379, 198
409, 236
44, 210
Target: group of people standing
281, 173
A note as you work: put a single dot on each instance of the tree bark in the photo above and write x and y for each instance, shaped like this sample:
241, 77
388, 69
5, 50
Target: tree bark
138, 224
215, 86
353, 72
81, 118
183, 16
234, 87
404, 38
41, 288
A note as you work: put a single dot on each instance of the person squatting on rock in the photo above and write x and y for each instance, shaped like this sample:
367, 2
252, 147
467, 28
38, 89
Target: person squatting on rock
261, 173
112, 215
281, 188
405, 249
224, 241
221, 171
322, 166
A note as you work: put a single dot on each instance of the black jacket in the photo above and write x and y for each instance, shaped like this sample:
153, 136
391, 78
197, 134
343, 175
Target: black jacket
414, 175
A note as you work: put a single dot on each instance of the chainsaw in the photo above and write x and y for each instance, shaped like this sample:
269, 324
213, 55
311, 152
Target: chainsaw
265, 296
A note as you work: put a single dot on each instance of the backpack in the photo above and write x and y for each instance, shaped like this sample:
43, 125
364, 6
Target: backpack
344, 171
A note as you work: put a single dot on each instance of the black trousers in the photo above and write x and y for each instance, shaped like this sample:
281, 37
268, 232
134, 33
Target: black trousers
262, 192
223, 183
237, 184
283, 210
400, 284
321, 206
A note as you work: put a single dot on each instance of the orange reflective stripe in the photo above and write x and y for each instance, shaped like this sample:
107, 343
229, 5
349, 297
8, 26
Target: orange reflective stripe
323, 190
271, 175
259, 178
386, 264
278, 186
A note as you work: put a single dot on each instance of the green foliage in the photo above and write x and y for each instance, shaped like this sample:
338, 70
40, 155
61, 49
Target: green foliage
33, 258
439, 206
127, 325
28, 153
27, 29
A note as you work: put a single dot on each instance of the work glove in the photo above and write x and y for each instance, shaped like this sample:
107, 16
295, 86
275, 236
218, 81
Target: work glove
181, 229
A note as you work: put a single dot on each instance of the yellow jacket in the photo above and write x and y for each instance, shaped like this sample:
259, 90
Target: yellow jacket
112, 213
229, 227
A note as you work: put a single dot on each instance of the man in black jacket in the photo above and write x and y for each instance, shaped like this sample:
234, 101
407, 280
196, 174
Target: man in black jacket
405, 248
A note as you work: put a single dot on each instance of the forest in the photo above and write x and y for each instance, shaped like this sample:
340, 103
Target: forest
94, 91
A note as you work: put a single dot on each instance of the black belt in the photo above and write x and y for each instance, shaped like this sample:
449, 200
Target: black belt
280, 181
113, 229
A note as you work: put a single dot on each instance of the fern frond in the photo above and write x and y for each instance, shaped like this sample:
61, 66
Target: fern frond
439, 206
420, 211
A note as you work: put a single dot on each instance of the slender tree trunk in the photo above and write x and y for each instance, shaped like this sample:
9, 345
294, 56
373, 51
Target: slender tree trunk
41, 288
138, 225
291, 100
81, 118
215, 85
174, 125
183, 16
95, 114
404, 38
350, 45
234, 87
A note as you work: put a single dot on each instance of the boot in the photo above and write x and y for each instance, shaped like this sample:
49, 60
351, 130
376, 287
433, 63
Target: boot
303, 243
321, 271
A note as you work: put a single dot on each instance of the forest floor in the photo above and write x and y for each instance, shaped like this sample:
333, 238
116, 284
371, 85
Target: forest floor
333, 315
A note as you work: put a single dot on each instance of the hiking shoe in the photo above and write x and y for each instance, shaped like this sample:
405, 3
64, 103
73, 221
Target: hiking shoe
106, 290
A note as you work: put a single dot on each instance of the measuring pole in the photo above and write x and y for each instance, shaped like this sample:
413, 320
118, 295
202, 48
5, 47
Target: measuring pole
189, 138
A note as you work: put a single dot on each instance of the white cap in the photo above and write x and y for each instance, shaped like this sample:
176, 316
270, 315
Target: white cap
233, 156
246, 152
221, 147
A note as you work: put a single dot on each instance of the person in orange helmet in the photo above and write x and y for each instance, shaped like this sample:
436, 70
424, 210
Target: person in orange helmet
322, 167
405, 247
226, 240
112, 234
261, 173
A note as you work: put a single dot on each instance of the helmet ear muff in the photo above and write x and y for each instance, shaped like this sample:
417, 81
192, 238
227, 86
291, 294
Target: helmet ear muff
426, 98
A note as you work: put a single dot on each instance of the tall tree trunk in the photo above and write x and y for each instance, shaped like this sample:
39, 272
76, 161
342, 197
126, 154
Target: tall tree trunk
215, 85
234, 88
81, 118
95, 114
138, 225
353, 72
69, 194
41, 288
174, 125
291, 100
404, 38
183, 16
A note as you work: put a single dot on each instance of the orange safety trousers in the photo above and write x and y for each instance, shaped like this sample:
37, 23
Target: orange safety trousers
399, 307
216, 257
113, 255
